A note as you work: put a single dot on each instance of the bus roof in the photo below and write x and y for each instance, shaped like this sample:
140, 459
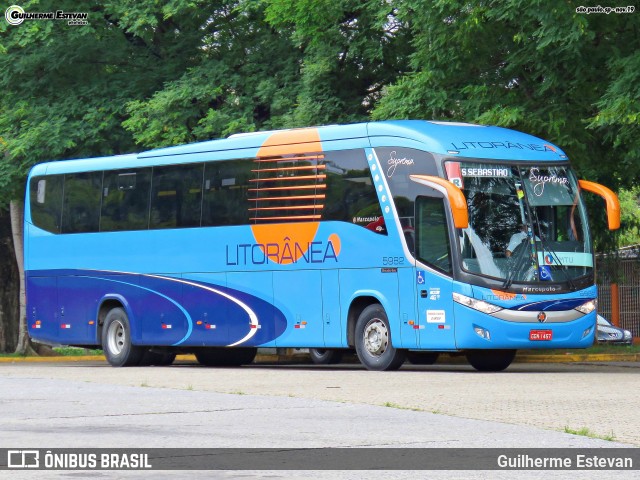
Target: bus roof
446, 138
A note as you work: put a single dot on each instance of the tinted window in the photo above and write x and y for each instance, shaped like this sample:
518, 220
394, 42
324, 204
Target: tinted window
398, 164
81, 206
432, 240
45, 200
350, 193
125, 203
176, 196
226, 187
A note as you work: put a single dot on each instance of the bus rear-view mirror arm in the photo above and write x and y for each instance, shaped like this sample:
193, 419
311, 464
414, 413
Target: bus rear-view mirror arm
457, 201
610, 198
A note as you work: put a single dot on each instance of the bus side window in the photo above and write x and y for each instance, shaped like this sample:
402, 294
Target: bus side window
225, 199
45, 199
350, 193
176, 196
125, 202
81, 204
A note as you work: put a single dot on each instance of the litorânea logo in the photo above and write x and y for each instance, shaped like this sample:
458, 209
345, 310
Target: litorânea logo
15, 15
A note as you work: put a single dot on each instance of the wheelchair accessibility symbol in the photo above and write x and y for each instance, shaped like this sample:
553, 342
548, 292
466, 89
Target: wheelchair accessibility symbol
420, 277
545, 273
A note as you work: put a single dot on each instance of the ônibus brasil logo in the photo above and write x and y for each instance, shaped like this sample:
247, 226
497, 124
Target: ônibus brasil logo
15, 15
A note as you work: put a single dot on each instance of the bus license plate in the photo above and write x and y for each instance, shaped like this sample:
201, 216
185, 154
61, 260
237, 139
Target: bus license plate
541, 335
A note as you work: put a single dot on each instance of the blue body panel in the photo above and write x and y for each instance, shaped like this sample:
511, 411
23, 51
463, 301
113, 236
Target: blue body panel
222, 286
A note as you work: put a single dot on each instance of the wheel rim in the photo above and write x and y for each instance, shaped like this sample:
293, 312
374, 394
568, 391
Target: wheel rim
376, 337
116, 337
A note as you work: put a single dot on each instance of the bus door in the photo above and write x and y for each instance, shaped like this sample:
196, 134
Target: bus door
435, 322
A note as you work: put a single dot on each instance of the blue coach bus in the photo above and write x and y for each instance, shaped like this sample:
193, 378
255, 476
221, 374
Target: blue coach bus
397, 239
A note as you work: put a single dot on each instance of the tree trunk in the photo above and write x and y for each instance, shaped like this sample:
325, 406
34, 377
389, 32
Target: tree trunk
16, 209
9, 289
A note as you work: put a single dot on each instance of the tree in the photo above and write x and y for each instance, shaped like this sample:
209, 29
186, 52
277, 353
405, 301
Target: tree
630, 208
537, 67
65, 88
142, 75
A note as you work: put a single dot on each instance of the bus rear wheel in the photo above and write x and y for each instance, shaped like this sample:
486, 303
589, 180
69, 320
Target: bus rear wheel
116, 340
325, 356
490, 360
373, 340
225, 357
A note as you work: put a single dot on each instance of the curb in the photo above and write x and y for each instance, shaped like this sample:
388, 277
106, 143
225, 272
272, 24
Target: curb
303, 358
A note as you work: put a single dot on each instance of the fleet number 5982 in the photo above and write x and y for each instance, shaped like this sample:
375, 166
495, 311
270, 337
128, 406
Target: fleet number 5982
392, 260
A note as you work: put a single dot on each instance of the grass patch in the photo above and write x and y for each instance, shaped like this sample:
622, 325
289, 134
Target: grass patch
585, 432
12, 355
61, 352
401, 407
76, 351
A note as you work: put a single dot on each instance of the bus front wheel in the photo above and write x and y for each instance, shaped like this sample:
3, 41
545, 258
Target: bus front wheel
373, 340
490, 360
116, 340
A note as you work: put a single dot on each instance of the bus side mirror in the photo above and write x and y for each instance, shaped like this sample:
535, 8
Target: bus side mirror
456, 198
610, 198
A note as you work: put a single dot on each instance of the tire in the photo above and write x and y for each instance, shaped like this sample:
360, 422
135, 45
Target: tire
490, 360
116, 340
325, 356
160, 359
422, 358
373, 340
225, 357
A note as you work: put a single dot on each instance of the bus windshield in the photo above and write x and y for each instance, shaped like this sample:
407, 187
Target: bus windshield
526, 223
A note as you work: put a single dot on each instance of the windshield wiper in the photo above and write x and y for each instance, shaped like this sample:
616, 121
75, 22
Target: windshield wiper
547, 248
517, 263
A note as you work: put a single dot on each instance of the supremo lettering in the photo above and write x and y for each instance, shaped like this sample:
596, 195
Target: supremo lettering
394, 161
260, 254
539, 181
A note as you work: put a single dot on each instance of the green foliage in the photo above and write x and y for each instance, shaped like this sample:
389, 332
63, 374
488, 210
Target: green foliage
244, 80
145, 74
349, 51
537, 67
65, 87
630, 217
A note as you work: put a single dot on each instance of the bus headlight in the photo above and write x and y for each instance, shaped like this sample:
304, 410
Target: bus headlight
479, 305
482, 332
588, 307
